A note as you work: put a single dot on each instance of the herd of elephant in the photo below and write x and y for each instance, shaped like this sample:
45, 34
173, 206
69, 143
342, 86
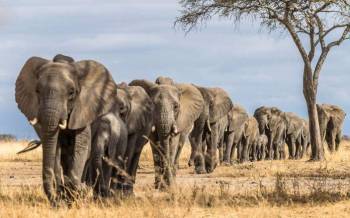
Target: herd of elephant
92, 130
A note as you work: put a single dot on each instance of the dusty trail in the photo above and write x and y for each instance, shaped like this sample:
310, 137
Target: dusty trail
16, 173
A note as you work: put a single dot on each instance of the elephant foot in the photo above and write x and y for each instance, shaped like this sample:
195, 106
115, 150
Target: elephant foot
200, 170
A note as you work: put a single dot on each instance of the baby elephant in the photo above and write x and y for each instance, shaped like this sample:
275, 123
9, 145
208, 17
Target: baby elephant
108, 148
261, 144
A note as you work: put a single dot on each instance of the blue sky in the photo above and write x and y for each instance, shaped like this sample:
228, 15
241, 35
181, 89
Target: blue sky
135, 39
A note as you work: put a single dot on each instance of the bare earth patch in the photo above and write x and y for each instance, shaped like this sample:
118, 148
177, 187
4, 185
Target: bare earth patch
263, 189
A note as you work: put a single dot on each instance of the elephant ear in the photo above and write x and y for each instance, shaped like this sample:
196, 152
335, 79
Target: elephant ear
237, 117
97, 94
191, 105
145, 84
140, 115
221, 104
26, 83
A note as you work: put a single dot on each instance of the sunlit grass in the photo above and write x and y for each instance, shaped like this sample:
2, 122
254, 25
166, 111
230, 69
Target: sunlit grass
286, 188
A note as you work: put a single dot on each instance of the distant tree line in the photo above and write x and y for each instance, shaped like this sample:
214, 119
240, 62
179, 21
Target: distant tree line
7, 138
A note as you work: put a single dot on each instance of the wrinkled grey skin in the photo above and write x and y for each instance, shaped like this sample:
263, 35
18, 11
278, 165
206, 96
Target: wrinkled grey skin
261, 146
249, 140
331, 119
294, 134
136, 110
218, 104
237, 117
63, 98
176, 108
110, 137
272, 123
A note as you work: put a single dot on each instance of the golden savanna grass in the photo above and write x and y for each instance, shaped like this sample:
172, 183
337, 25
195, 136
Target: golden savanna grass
263, 189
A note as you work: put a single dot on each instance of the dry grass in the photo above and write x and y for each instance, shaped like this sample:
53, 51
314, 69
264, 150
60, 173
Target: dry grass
263, 189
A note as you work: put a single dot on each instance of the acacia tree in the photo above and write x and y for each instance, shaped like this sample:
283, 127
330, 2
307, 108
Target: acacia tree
316, 26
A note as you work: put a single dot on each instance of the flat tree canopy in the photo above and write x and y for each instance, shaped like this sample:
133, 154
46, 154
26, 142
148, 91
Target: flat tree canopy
316, 26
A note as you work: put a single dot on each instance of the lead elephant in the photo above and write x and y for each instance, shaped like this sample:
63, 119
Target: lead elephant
136, 110
272, 123
331, 119
237, 117
176, 108
61, 99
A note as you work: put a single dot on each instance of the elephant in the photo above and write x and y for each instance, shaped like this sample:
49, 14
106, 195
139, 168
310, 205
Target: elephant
331, 119
272, 123
136, 110
247, 149
217, 106
61, 99
294, 134
176, 108
109, 140
237, 117
261, 145
305, 140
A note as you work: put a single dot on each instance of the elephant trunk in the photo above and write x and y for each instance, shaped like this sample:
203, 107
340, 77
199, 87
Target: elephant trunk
50, 121
49, 117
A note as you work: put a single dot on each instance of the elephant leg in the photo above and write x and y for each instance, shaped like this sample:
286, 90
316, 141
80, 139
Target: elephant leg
292, 155
182, 141
173, 149
130, 150
107, 173
221, 151
59, 172
270, 148
229, 149
332, 140
304, 147
197, 140
254, 152
244, 152
80, 156
210, 157
157, 160
276, 150
338, 139
239, 150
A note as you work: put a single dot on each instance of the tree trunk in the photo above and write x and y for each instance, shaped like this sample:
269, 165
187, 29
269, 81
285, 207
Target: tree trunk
310, 92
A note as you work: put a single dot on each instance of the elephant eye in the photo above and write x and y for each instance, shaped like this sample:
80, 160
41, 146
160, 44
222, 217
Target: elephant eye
71, 94
176, 107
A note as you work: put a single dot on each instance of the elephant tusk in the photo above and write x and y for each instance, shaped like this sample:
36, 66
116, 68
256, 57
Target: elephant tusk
63, 125
33, 121
174, 129
208, 125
